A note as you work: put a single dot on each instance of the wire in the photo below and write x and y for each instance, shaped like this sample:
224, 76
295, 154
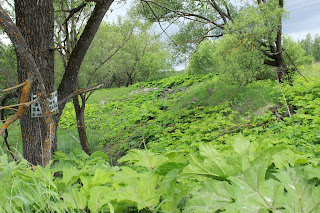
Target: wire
300, 3
301, 8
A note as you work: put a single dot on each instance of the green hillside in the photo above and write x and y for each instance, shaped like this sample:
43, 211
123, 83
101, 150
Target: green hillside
179, 112
185, 143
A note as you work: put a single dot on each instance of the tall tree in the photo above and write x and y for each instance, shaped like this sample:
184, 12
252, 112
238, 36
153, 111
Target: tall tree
33, 38
214, 18
35, 22
307, 44
316, 48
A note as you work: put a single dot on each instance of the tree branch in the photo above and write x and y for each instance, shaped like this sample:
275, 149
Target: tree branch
185, 13
80, 91
21, 110
77, 55
108, 58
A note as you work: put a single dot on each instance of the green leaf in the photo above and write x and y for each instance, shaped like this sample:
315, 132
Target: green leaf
142, 191
211, 164
165, 168
302, 195
241, 147
213, 196
172, 192
76, 199
144, 158
100, 177
100, 196
252, 191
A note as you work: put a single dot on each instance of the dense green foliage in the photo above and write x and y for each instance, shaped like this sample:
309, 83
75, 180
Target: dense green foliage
8, 76
236, 61
186, 143
123, 52
207, 148
250, 176
312, 46
295, 53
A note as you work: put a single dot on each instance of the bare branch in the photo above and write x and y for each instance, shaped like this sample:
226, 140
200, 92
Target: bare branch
185, 14
158, 20
80, 91
27, 104
109, 57
15, 87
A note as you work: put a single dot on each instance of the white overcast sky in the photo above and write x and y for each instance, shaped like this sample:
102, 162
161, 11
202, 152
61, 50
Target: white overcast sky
304, 17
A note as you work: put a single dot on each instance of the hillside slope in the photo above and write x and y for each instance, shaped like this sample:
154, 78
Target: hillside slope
203, 147
180, 112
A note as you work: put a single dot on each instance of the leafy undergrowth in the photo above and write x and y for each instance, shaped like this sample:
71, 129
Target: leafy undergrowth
180, 112
251, 176
201, 150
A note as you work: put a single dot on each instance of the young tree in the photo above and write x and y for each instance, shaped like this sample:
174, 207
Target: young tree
307, 44
33, 38
142, 55
316, 48
101, 51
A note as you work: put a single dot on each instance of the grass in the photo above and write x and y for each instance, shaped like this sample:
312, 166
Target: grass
246, 99
68, 140
14, 138
105, 94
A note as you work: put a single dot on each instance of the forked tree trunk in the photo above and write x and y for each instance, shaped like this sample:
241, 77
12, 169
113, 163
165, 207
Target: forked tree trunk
32, 37
275, 54
35, 21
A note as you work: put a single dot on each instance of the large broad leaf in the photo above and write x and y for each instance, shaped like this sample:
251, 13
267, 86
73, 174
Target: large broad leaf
141, 190
211, 163
213, 196
241, 147
76, 199
254, 193
312, 172
144, 158
303, 194
99, 154
100, 177
72, 174
172, 192
124, 176
100, 196
165, 168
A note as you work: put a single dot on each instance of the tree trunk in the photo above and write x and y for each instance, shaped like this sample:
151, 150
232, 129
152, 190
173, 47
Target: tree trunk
281, 64
35, 21
274, 54
32, 37
80, 123
68, 83
129, 79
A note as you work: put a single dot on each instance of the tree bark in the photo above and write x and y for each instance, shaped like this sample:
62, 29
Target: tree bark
275, 55
68, 83
32, 37
81, 123
35, 22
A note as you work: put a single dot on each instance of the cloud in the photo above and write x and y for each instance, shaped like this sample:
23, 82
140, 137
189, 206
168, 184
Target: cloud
303, 19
